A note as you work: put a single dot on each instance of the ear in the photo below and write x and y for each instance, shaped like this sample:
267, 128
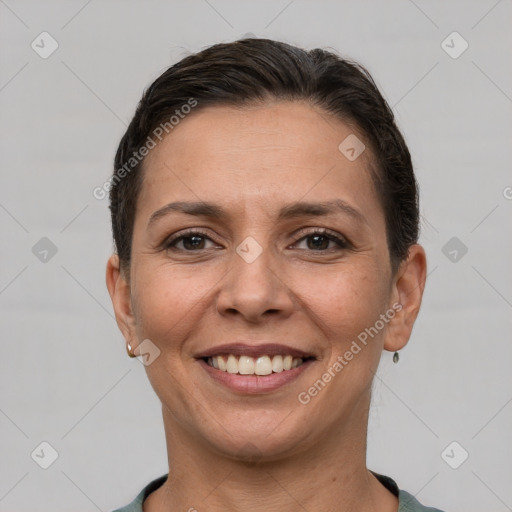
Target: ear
119, 290
407, 291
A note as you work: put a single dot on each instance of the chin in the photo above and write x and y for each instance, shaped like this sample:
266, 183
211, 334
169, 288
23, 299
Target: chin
252, 444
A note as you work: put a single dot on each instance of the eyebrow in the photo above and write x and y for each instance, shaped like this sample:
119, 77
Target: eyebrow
298, 209
302, 209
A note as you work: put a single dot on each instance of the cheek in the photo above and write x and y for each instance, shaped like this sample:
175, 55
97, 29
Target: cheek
167, 304
175, 308
351, 304
349, 300
168, 308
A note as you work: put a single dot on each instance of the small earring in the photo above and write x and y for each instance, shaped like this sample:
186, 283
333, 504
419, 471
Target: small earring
129, 350
396, 357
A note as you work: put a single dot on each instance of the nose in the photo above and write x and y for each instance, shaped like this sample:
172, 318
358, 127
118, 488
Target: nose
255, 290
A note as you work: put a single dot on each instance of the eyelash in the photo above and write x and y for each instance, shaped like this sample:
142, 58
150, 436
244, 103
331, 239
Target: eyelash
342, 243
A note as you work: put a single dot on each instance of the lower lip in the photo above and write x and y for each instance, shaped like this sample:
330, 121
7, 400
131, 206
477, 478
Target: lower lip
254, 384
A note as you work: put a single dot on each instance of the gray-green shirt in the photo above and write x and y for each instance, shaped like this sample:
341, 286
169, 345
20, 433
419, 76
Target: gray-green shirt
407, 502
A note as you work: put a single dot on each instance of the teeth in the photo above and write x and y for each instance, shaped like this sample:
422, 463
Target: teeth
263, 366
232, 364
277, 364
221, 363
246, 365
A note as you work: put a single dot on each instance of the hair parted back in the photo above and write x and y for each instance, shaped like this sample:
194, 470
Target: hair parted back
254, 70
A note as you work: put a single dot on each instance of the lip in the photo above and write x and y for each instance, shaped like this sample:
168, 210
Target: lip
255, 384
252, 350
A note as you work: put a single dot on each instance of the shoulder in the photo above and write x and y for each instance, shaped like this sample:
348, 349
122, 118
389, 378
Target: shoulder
136, 504
408, 503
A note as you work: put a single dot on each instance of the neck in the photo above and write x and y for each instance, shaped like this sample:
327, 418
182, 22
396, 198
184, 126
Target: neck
202, 479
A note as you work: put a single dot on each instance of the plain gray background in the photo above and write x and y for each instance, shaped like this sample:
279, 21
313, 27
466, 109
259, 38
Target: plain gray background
65, 377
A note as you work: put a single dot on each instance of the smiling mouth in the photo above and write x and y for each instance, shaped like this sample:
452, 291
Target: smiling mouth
262, 365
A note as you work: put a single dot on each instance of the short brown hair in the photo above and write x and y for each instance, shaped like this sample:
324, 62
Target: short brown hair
251, 70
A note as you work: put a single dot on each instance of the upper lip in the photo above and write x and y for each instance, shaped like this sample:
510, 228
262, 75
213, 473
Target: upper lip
261, 349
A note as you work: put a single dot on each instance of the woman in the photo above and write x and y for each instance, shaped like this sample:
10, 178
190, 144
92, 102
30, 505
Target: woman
265, 216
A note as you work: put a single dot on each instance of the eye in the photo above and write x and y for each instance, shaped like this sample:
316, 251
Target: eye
190, 241
323, 241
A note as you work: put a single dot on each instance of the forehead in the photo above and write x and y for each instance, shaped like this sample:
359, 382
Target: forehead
258, 155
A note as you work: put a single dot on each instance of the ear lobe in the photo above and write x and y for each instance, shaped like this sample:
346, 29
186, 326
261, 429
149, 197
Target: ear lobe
119, 291
408, 286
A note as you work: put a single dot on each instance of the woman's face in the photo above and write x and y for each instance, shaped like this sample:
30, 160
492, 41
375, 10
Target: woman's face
242, 260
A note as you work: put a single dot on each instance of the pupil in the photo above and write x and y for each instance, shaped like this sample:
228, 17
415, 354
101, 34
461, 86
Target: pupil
193, 242
322, 238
